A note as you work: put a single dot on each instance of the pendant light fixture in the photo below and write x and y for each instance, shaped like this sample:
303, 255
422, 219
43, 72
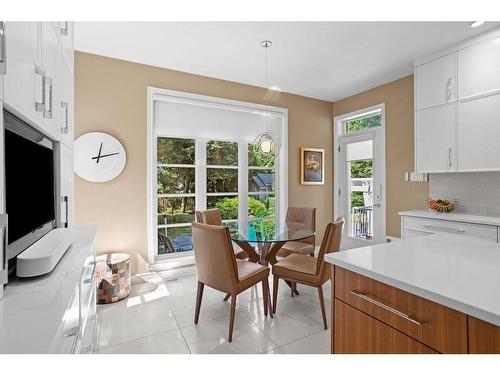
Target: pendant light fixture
267, 143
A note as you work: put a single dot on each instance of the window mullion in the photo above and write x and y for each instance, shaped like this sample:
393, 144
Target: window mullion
243, 183
201, 174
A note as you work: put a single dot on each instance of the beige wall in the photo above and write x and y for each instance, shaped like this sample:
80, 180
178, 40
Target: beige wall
398, 99
111, 97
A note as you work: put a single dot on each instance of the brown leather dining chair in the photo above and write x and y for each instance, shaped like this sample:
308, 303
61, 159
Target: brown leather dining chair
213, 217
303, 217
218, 268
312, 271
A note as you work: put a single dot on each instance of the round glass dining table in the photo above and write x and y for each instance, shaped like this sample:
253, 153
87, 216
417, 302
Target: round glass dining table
268, 235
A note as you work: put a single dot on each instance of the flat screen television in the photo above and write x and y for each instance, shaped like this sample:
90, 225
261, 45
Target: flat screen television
29, 184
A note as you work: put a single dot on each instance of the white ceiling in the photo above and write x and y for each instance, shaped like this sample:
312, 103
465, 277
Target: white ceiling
324, 60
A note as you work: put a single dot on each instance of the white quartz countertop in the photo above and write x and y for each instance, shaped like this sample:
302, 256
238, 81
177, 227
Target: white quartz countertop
461, 273
453, 216
33, 309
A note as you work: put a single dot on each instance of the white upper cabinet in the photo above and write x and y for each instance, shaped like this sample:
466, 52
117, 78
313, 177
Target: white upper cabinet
479, 69
51, 66
479, 134
23, 78
435, 139
436, 82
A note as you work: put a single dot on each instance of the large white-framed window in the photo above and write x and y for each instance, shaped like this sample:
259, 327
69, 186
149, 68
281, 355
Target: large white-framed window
200, 156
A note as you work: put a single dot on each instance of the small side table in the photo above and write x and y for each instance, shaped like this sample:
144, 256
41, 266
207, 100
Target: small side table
113, 277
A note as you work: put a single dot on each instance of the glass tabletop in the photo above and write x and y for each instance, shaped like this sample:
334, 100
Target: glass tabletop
266, 231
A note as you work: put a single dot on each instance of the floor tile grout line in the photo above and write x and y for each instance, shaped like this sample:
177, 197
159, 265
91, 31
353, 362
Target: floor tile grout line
261, 330
140, 338
302, 338
180, 329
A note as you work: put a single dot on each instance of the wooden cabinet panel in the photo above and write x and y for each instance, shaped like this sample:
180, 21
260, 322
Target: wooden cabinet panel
478, 134
435, 143
484, 338
479, 69
359, 333
433, 324
436, 82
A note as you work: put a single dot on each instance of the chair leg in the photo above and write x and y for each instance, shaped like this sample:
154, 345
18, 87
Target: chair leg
322, 304
231, 317
265, 297
276, 281
227, 297
199, 296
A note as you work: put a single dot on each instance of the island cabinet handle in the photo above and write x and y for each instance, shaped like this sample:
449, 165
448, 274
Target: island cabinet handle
366, 298
437, 227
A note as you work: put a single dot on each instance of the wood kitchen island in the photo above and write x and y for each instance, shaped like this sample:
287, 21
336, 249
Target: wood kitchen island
435, 294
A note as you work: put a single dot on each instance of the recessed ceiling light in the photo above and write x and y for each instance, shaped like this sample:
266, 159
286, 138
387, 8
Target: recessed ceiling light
476, 24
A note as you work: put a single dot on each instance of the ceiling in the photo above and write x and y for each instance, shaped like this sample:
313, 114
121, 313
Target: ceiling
324, 60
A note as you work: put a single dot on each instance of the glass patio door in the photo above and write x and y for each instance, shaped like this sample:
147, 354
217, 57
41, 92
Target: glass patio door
360, 189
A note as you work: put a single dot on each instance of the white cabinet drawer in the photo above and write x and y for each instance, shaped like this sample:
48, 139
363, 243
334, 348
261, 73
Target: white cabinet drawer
431, 226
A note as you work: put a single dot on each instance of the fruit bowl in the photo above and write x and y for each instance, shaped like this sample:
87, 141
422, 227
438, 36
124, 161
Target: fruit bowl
441, 205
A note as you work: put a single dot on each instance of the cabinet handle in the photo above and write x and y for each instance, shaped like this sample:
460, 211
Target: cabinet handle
3, 49
65, 128
49, 87
450, 86
445, 229
4, 219
449, 157
41, 106
66, 210
373, 301
64, 28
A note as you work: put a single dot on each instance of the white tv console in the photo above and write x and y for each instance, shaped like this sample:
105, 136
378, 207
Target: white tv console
56, 312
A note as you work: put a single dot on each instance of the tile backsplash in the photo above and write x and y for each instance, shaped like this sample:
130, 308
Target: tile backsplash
475, 192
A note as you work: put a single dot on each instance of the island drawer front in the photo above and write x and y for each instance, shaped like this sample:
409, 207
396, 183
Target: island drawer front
358, 333
435, 325
481, 231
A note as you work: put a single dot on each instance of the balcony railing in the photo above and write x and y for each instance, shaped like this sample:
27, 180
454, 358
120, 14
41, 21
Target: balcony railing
362, 224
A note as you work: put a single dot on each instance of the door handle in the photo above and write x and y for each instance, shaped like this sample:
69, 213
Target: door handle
449, 157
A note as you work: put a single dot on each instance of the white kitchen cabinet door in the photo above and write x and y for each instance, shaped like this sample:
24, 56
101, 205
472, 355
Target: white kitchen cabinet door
479, 134
66, 186
435, 139
22, 84
66, 103
66, 36
436, 82
479, 69
51, 120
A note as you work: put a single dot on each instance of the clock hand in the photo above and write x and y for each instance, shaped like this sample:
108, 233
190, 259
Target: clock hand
105, 155
98, 155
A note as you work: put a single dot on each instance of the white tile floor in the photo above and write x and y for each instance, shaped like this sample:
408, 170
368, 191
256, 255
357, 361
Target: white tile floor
158, 317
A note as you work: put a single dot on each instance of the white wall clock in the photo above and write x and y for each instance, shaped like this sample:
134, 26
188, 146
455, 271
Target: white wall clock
98, 157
